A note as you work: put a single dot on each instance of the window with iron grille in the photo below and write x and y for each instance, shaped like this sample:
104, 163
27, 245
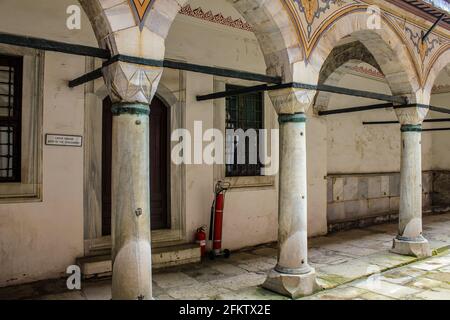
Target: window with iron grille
10, 117
245, 112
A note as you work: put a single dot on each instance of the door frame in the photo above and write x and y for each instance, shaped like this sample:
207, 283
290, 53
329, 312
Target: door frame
94, 242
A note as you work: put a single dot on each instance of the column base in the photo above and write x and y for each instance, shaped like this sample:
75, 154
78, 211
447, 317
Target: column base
412, 247
292, 285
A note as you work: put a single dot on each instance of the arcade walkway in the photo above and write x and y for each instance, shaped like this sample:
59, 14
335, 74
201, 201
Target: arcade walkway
342, 260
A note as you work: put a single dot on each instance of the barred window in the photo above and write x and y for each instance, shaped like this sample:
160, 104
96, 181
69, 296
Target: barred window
10, 118
245, 112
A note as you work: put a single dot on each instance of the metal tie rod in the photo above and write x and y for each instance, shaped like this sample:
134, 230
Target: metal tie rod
397, 122
171, 64
320, 87
381, 106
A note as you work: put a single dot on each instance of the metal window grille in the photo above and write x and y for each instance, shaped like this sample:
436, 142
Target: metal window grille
10, 118
243, 112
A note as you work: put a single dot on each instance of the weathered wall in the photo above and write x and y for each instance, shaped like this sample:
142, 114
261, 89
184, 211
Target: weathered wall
366, 196
441, 149
364, 160
40, 239
357, 148
441, 139
250, 213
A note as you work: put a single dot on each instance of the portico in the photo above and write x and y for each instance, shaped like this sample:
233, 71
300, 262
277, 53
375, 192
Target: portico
294, 68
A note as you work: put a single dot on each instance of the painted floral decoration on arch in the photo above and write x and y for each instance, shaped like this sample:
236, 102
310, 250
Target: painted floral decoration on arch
312, 9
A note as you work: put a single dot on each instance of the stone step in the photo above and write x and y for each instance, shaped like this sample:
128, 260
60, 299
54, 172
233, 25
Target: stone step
101, 266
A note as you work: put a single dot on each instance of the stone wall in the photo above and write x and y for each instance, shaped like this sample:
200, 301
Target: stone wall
441, 190
356, 200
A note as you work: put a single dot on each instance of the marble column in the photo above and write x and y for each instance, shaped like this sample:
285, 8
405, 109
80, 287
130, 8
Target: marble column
131, 88
131, 247
292, 275
409, 240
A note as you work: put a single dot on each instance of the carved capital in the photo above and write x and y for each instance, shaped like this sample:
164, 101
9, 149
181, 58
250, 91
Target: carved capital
131, 83
411, 114
292, 100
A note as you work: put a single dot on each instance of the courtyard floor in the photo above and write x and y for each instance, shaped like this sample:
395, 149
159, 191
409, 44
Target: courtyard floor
354, 264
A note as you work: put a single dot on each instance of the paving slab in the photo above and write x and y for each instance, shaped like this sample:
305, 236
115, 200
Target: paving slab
173, 279
375, 296
204, 274
266, 252
258, 265
240, 281
196, 291
436, 294
354, 264
401, 276
74, 295
326, 257
254, 293
386, 289
428, 284
439, 275
342, 293
228, 269
386, 259
98, 290
351, 250
345, 272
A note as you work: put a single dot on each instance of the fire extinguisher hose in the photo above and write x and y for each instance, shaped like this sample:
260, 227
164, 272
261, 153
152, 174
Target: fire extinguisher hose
211, 224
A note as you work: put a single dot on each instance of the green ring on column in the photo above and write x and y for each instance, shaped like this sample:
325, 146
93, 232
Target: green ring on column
411, 128
130, 108
297, 117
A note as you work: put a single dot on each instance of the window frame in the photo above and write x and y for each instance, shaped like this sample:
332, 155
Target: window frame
15, 121
236, 169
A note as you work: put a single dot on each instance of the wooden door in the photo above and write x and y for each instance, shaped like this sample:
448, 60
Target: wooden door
158, 166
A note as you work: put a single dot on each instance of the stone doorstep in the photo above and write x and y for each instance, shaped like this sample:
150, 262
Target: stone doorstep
101, 266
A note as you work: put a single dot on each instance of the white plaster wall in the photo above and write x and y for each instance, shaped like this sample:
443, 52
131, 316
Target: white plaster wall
441, 139
199, 178
250, 214
316, 148
44, 19
39, 240
357, 148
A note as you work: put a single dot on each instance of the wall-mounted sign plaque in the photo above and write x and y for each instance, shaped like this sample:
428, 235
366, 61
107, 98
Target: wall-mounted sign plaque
63, 140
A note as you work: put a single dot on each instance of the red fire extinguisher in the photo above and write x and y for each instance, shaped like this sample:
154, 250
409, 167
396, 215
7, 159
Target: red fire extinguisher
200, 237
215, 230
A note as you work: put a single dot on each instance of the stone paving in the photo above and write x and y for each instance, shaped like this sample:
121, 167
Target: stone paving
423, 280
353, 264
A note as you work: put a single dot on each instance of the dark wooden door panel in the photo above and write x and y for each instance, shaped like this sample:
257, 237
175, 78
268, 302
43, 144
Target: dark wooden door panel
158, 165
106, 167
158, 143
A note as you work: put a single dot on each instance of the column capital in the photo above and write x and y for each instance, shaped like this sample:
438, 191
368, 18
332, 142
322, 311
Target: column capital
411, 114
131, 83
292, 100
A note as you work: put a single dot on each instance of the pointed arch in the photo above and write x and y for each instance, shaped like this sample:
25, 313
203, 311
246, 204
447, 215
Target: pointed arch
384, 44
